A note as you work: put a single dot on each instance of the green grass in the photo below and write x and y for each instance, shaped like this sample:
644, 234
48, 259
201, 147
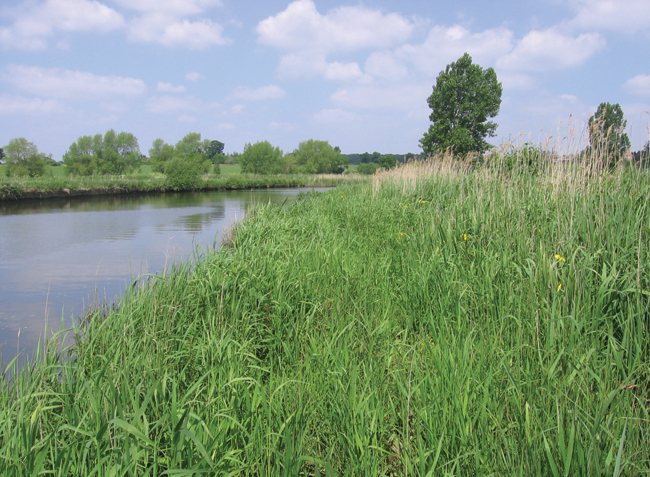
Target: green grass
415, 327
18, 187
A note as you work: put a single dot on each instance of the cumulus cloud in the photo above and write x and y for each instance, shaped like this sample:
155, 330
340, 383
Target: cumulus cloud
172, 104
175, 7
309, 37
170, 31
10, 104
301, 27
544, 50
400, 97
639, 85
446, 44
623, 15
194, 76
34, 25
169, 88
61, 83
257, 94
287, 127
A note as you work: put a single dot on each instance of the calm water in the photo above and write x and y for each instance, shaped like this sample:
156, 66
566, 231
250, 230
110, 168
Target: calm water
57, 256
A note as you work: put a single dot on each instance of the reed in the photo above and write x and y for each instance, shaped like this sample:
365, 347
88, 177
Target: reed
448, 319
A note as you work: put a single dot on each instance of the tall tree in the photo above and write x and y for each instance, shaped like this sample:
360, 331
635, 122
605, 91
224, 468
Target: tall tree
111, 153
607, 137
318, 157
261, 158
23, 159
464, 98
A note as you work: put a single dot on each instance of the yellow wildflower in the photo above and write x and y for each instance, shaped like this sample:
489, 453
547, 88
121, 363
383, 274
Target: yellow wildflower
463, 236
560, 258
559, 287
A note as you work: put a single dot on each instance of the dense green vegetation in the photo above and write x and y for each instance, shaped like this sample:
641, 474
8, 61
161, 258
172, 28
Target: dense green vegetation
446, 320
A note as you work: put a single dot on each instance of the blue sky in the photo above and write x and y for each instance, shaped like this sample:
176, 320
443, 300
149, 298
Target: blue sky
355, 73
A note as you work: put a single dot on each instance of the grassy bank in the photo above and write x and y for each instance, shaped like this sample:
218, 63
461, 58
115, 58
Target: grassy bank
442, 321
62, 185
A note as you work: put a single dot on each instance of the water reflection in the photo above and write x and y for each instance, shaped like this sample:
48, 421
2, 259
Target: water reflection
57, 255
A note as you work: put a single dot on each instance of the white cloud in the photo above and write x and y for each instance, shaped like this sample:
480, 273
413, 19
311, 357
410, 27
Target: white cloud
60, 83
174, 7
15, 105
626, 16
544, 50
446, 44
287, 127
194, 76
383, 64
301, 27
399, 97
256, 94
170, 31
35, 25
169, 88
308, 37
639, 85
336, 116
172, 104
186, 118
342, 71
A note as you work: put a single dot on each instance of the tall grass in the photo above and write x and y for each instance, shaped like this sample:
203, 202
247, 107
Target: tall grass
446, 320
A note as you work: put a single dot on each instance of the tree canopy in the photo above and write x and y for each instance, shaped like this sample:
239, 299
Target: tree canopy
319, 157
111, 153
607, 135
261, 158
464, 97
23, 159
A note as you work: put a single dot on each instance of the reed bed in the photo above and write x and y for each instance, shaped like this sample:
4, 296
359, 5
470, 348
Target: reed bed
446, 320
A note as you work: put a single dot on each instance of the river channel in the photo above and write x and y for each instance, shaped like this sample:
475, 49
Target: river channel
58, 256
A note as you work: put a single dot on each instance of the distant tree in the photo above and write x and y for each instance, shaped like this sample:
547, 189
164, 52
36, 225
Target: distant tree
388, 161
23, 159
159, 154
261, 158
368, 168
214, 152
366, 157
319, 157
607, 137
111, 153
2, 155
464, 98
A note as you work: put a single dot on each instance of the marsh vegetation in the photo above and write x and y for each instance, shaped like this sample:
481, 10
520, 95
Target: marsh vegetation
447, 319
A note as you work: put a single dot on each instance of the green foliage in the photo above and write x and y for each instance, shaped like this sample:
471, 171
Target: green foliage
214, 152
159, 154
261, 158
387, 162
23, 159
190, 150
607, 135
368, 168
2, 155
394, 330
464, 98
184, 173
529, 159
111, 153
319, 157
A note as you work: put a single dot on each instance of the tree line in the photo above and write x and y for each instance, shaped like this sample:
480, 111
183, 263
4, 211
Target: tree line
464, 101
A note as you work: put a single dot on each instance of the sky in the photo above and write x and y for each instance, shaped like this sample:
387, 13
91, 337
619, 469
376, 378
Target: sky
355, 73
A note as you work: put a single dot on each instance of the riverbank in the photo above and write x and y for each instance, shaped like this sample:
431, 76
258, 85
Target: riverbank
70, 186
442, 321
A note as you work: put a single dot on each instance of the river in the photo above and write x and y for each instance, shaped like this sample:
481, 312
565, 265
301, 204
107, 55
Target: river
58, 256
